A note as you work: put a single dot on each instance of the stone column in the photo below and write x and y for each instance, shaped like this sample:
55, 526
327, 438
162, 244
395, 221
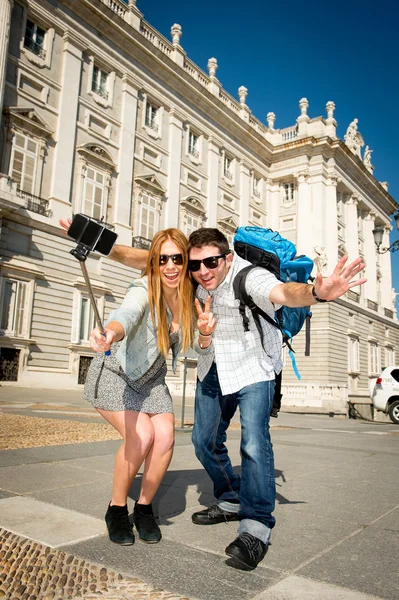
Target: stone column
5, 24
175, 150
304, 222
370, 255
213, 181
124, 183
245, 190
330, 223
386, 271
65, 136
352, 235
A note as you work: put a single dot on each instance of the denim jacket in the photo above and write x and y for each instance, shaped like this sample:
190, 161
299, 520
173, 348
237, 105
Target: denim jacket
139, 348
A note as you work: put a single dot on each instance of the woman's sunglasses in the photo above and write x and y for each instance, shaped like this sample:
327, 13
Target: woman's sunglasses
211, 263
177, 259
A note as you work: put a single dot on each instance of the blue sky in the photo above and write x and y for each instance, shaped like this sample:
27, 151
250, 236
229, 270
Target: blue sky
347, 52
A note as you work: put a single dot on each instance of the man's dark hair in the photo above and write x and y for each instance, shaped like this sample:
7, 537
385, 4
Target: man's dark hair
209, 236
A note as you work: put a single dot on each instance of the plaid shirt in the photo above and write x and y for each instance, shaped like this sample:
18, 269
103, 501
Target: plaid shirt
239, 354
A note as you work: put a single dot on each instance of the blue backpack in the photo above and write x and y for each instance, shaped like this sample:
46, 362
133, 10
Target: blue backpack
268, 249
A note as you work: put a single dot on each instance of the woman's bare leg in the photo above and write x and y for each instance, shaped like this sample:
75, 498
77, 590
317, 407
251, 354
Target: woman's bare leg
158, 458
138, 435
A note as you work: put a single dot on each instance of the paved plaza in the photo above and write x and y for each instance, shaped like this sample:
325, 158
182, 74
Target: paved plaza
337, 511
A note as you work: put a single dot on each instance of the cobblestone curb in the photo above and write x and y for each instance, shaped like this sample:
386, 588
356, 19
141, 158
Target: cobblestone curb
31, 571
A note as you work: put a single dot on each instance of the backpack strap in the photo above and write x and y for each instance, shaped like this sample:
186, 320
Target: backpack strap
241, 294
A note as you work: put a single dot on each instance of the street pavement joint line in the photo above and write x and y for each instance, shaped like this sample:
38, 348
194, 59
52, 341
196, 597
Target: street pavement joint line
336, 430
345, 539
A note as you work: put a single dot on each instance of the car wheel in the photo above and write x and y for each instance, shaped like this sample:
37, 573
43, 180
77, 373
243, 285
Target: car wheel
394, 412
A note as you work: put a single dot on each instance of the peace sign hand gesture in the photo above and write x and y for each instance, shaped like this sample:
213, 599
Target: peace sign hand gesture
206, 322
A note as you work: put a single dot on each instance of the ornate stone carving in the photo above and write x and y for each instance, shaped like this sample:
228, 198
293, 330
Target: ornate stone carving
320, 259
330, 107
353, 139
242, 94
176, 32
271, 119
367, 159
212, 66
304, 105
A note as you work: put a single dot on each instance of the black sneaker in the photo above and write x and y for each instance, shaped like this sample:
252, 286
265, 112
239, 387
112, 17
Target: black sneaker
212, 515
146, 525
120, 530
246, 551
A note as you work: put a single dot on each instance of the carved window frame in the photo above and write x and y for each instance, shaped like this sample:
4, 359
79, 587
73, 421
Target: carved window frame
38, 20
154, 133
21, 121
94, 156
191, 208
96, 63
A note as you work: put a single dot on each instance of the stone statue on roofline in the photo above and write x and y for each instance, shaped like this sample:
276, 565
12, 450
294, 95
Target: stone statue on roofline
320, 260
367, 159
353, 139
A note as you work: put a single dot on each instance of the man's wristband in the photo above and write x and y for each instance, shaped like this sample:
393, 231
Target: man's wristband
315, 296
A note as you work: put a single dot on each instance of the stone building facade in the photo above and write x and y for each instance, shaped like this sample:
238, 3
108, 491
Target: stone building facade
103, 115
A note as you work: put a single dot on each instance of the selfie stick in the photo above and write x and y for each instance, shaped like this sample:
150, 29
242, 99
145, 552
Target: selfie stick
81, 256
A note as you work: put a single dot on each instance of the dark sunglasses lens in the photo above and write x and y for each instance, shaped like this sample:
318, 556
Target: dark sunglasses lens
211, 262
194, 265
177, 259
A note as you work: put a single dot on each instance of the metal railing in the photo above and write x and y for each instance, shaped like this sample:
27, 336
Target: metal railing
151, 124
34, 203
97, 89
141, 242
35, 48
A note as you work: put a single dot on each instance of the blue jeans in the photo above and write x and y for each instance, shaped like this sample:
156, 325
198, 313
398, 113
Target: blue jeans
255, 491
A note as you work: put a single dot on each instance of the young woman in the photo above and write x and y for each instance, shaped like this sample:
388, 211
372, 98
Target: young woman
128, 388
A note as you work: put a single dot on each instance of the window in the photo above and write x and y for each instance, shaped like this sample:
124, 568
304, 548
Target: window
193, 222
148, 222
99, 83
228, 168
256, 187
389, 356
13, 308
353, 355
288, 193
23, 162
193, 144
87, 319
374, 359
151, 116
94, 185
34, 39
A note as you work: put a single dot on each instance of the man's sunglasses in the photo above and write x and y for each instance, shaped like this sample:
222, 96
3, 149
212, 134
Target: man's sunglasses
177, 259
211, 262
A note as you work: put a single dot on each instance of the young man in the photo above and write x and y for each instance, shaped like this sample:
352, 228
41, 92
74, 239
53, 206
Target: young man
236, 371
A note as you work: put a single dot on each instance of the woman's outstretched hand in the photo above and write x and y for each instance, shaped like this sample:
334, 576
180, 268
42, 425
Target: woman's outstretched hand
100, 342
206, 322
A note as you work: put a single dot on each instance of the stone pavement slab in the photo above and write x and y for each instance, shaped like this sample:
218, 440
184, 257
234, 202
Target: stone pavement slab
299, 588
47, 523
366, 561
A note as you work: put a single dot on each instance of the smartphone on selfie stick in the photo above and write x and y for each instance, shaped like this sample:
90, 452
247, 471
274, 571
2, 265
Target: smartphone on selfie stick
91, 235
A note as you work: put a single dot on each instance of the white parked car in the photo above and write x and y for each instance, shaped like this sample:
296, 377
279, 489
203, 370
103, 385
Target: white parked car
385, 393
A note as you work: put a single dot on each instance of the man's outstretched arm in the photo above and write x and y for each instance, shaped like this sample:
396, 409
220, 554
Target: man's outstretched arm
329, 288
131, 257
